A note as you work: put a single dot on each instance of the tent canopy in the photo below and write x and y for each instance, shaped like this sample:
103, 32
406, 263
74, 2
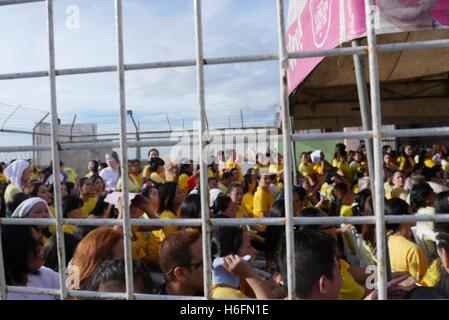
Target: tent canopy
414, 86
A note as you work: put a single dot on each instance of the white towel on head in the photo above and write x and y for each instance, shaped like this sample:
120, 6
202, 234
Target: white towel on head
15, 171
25, 207
315, 156
213, 195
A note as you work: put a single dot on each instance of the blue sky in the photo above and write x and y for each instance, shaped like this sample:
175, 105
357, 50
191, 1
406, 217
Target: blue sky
154, 30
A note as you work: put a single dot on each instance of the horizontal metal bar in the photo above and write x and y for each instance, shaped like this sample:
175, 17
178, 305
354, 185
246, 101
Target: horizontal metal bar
29, 290
235, 59
422, 132
11, 2
229, 222
331, 135
415, 45
346, 51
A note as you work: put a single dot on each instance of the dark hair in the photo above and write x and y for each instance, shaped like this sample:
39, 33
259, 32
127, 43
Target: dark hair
226, 240
359, 200
100, 206
69, 186
184, 168
408, 163
419, 194
34, 190
15, 201
273, 234
147, 190
227, 175
70, 203
247, 178
167, 193
442, 207
191, 207
156, 163
95, 162
315, 254
83, 180
430, 173
175, 250
50, 251
151, 150
233, 186
19, 246
221, 204
113, 271
139, 201
395, 207
300, 191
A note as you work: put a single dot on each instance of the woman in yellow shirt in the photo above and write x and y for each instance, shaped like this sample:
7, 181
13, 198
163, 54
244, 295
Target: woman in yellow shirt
133, 185
263, 198
185, 171
405, 256
343, 165
87, 194
71, 209
405, 161
18, 173
98, 184
306, 168
235, 192
170, 198
339, 148
92, 168
345, 199
157, 170
249, 187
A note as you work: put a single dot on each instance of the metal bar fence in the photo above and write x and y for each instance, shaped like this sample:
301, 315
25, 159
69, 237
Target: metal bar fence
375, 134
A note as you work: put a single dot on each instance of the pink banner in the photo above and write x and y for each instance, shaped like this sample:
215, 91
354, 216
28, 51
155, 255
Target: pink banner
325, 24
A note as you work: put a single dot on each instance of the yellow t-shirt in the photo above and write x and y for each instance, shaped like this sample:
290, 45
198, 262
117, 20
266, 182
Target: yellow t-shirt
183, 182
402, 161
157, 178
11, 190
146, 171
388, 187
210, 174
72, 176
137, 177
263, 200
433, 274
247, 206
3, 178
133, 185
156, 237
230, 165
335, 163
429, 163
406, 256
88, 206
344, 167
140, 243
350, 289
319, 172
399, 192
225, 292
307, 170
355, 168
345, 211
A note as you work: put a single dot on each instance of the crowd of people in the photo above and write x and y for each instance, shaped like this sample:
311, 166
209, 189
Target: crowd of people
248, 261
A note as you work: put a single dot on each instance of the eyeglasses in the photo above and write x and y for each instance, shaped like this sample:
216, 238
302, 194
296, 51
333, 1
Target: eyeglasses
194, 265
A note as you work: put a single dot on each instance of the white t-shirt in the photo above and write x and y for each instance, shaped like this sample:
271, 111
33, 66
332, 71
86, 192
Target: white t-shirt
47, 278
110, 178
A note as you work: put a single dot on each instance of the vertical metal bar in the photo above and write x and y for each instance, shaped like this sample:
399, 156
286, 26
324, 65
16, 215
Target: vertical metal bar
55, 151
71, 128
241, 117
205, 220
293, 153
2, 271
124, 152
377, 148
286, 136
362, 89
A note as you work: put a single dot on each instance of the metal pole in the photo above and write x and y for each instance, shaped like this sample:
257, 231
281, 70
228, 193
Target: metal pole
207, 260
288, 187
295, 173
34, 136
124, 153
55, 151
362, 89
71, 128
130, 113
241, 117
377, 148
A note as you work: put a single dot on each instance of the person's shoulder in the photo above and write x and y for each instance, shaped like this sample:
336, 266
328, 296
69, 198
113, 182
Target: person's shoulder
49, 277
167, 214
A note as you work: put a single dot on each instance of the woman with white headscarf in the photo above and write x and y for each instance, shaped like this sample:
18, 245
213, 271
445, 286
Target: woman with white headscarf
18, 174
34, 208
